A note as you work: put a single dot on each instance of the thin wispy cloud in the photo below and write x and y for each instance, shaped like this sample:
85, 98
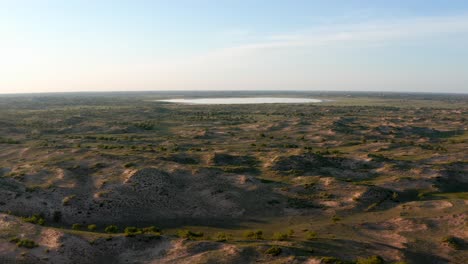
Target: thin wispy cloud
311, 45
371, 32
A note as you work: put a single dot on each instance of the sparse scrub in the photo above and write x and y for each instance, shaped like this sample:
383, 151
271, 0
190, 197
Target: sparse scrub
132, 231
311, 235
77, 226
221, 237
151, 229
370, 260
111, 229
26, 243
258, 234
66, 201
331, 260
274, 251
187, 234
35, 219
280, 236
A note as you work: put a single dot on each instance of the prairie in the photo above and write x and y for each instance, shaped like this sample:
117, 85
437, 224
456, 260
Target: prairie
123, 177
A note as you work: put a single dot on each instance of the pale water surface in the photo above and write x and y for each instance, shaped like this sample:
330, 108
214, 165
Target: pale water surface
244, 100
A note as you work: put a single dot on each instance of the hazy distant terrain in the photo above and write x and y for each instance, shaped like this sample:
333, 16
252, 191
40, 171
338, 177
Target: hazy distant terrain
122, 178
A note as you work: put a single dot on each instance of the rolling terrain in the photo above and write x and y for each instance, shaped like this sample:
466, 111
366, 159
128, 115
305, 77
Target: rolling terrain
122, 178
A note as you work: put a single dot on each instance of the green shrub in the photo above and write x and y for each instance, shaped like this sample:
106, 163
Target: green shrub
189, 234
258, 234
151, 229
153, 235
146, 125
34, 219
311, 235
290, 232
76, 226
92, 227
8, 141
26, 243
66, 201
221, 237
331, 260
274, 251
132, 231
111, 229
280, 236
370, 260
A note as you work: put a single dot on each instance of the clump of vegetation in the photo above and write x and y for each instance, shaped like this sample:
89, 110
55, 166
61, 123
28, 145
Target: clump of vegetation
26, 243
258, 234
274, 251
151, 229
92, 227
221, 237
77, 226
311, 235
187, 234
370, 260
146, 125
35, 219
8, 141
453, 242
280, 236
129, 165
331, 260
66, 201
111, 229
132, 231
336, 218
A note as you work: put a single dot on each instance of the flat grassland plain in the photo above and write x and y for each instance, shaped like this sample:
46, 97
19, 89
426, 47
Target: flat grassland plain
121, 178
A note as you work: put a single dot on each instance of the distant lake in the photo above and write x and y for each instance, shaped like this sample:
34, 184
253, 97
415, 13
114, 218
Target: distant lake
244, 100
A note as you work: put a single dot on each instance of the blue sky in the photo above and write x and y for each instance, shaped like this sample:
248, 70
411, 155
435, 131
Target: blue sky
55, 46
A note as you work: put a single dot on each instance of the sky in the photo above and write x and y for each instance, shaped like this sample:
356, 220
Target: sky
140, 45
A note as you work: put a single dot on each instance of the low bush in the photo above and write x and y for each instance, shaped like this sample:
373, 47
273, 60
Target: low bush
331, 260
370, 260
35, 219
151, 229
92, 227
111, 229
258, 234
26, 243
221, 237
76, 226
274, 251
311, 235
66, 201
280, 236
189, 234
132, 231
